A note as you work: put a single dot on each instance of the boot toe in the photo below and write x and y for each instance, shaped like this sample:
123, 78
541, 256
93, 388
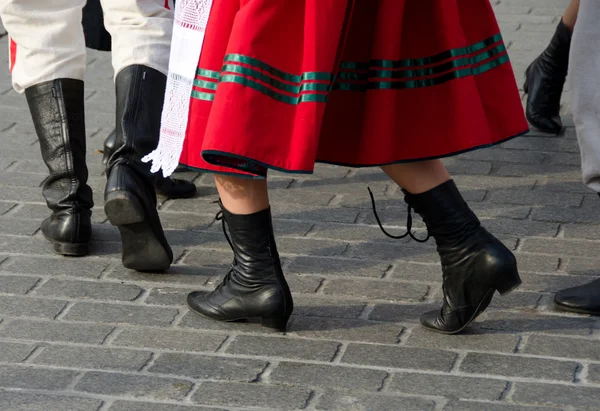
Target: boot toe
584, 299
434, 321
198, 302
545, 124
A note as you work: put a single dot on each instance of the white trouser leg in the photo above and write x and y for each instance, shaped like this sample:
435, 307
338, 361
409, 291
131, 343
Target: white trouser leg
141, 32
47, 40
584, 68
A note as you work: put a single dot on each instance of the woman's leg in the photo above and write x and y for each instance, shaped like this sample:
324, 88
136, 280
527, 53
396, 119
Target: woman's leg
474, 263
255, 286
570, 17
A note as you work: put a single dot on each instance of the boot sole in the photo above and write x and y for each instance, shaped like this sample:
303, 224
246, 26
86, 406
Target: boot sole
565, 308
274, 323
69, 249
143, 248
485, 302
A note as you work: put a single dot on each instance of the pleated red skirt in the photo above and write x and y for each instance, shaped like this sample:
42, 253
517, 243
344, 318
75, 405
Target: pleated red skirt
283, 84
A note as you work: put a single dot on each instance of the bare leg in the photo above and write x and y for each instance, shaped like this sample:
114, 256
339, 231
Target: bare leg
242, 195
417, 178
570, 16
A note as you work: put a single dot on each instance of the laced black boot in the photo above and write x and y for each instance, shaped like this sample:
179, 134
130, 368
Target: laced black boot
57, 109
172, 188
545, 79
129, 198
255, 286
474, 263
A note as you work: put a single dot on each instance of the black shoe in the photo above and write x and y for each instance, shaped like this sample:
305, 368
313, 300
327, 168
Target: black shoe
544, 82
584, 299
129, 197
57, 110
255, 286
475, 264
165, 186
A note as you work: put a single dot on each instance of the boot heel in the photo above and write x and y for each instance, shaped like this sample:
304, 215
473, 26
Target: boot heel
123, 208
276, 323
508, 283
72, 249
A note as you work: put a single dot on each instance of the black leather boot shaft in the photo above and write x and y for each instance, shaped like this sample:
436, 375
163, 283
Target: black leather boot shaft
129, 197
165, 186
140, 92
255, 286
57, 110
545, 79
474, 263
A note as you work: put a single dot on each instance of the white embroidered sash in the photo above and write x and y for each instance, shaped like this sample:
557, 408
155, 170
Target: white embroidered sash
191, 19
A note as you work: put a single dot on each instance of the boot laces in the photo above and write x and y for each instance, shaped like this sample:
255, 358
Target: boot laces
409, 222
220, 217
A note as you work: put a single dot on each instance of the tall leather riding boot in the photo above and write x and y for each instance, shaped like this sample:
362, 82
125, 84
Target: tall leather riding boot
545, 79
57, 110
255, 286
474, 263
129, 197
165, 186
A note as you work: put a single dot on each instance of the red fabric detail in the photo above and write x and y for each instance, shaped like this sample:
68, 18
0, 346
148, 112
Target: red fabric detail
13, 54
167, 5
353, 128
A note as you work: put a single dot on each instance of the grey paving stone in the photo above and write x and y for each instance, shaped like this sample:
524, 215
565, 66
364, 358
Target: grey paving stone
153, 406
358, 402
309, 246
315, 213
23, 401
11, 284
12, 376
376, 289
550, 283
89, 268
580, 266
299, 349
14, 306
251, 395
518, 366
399, 357
404, 313
534, 322
521, 228
343, 267
304, 283
136, 386
447, 386
345, 329
566, 215
582, 349
581, 398
200, 367
582, 231
594, 373
121, 314
55, 331
177, 275
89, 290
320, 306
93, 358
472, 340
348, 232
537, 263
14, 352
191, 320
478, 406
561, 247
8, 226
313, 375
177, 340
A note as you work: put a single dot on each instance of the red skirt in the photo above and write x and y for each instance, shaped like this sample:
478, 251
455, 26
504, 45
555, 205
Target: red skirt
282, 84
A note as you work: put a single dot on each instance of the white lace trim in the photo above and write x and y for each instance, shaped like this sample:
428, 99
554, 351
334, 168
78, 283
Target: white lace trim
191, 19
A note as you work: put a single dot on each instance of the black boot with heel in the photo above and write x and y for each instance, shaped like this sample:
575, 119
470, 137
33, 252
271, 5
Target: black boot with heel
255, 286
544, 82
57, 109
475, 264
129, 198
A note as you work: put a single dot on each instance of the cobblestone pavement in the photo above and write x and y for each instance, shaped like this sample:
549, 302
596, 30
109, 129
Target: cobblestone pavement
86, 334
